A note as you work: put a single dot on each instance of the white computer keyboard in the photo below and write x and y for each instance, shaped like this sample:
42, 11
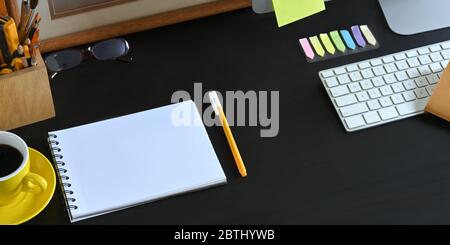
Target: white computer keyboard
385, 89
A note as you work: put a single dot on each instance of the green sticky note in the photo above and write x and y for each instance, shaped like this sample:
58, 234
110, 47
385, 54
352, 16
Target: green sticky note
327, 43
288, 11
337, 41
317, 45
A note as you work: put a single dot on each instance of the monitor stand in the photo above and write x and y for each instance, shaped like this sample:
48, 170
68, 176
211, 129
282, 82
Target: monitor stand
262, 6
407, 17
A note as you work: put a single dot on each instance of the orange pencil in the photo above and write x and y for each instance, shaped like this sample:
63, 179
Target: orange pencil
218, 109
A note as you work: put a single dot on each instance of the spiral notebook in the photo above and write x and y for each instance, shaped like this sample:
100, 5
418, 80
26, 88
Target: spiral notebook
123, 162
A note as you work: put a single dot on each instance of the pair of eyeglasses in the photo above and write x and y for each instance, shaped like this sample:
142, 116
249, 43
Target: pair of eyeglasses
113, 49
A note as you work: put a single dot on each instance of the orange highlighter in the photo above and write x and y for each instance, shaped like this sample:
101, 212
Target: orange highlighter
218, 109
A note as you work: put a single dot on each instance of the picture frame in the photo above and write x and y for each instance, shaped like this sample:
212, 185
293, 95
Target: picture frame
99, 31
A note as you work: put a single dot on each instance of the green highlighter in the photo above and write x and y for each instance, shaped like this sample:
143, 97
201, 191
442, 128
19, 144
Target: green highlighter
337, 40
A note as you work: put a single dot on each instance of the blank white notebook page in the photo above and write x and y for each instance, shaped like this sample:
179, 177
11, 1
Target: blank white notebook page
136, 159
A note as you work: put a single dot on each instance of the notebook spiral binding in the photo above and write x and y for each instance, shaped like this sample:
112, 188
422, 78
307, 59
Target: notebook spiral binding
62, 171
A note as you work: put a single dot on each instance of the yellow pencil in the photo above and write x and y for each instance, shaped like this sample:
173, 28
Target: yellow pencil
218, 109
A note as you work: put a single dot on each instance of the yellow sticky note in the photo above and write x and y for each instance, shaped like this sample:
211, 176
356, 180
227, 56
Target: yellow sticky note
327, 43
317, 46
288, 11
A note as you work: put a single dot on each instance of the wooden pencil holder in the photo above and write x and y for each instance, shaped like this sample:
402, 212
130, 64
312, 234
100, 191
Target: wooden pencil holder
25, 97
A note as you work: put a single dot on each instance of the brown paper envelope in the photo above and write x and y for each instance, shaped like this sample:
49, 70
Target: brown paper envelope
439, 103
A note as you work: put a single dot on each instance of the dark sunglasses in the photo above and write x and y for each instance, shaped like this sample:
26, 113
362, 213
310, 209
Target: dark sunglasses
113, 49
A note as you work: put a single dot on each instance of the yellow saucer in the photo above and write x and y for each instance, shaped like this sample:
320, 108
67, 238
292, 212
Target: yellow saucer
29, 205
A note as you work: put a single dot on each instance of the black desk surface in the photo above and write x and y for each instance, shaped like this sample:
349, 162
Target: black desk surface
313, 172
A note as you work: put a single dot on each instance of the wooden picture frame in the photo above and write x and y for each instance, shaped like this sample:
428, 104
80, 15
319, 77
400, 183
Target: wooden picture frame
55, 13
131, 26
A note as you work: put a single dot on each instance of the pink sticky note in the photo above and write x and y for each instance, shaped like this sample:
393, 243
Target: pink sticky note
307, 48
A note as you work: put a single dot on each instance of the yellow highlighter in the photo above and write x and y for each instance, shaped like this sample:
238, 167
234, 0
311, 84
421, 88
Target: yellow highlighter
218, 109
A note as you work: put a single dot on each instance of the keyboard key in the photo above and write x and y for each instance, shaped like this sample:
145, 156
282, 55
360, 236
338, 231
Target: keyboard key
413, 73
376, 62
371, 117
385, 101
424, 70
446, 45
409, 96
355, 76
386, 90
411, 54
432, 79
343, 79
339, 91
391, 67
397, 99
401, 76
436, 67
366, 84
354, 87
413, 62
446, 54
402, 65
346, 100
355, 121
339, 71
435, 48
354, 109
367, 73
398, 87
444, 63
424, 60
436, 57
362, 96
388, 113
327, 73
409, 84
374, 93
331, 82
412, 107
388, 59
379, 71
364, 65
351, 68
373, 105
421, 93
378, 81
424, 51
421, 82
400, 56
390, 78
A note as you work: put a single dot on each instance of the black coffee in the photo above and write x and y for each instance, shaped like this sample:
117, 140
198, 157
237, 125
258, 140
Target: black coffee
10, 160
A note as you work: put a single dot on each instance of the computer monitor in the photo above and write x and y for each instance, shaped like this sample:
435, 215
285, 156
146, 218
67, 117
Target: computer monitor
407, 17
